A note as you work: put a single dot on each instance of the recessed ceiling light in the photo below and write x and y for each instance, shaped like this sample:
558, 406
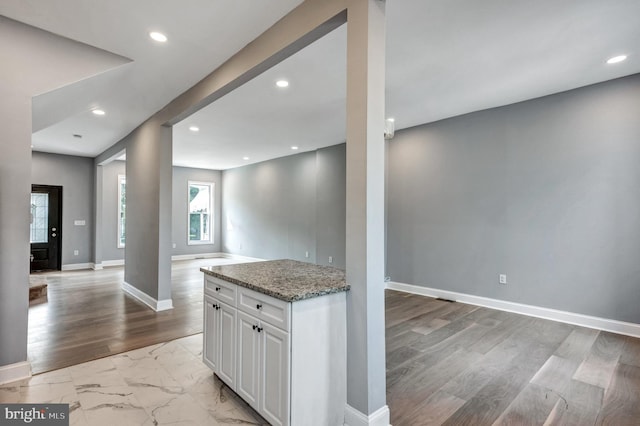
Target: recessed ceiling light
294, 147
158, 36
194, 128
98, 112
282, 83
616, 59
245, 158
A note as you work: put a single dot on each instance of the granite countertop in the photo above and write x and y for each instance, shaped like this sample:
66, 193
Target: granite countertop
288, 280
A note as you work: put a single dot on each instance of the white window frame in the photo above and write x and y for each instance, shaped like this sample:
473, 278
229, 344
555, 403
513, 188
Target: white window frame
122, 179
212, 187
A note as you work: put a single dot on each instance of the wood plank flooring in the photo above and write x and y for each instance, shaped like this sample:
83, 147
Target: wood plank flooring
447, 363
456, 364
88, 315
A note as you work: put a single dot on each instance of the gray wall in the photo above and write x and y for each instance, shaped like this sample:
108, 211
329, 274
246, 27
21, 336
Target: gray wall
277, 208
545, 191
148, 170
75, 175
110, 250
330, 205
15, 187
181, 178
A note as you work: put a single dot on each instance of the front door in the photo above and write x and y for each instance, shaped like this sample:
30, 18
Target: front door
46, 230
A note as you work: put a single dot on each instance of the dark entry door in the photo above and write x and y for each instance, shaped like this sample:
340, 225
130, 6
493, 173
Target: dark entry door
46, 230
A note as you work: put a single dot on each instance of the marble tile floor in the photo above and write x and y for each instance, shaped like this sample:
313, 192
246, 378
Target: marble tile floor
162, 384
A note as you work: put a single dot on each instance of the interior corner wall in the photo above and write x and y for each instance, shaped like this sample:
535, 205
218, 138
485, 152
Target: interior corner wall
181, 178
110, 172
331, 220
273, 210
75, 175
544, 191
15, 187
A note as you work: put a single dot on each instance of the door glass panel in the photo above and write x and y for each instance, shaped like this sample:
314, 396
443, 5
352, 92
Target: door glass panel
39, 218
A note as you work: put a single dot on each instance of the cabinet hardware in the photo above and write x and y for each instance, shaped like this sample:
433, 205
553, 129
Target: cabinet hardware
259, 329
217, 288
255, 326
259, 306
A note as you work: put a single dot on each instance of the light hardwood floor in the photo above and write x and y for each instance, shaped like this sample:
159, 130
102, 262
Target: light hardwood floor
88, 315
457, 364
447, 363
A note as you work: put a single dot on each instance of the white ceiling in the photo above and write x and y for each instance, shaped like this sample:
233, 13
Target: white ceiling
444, 58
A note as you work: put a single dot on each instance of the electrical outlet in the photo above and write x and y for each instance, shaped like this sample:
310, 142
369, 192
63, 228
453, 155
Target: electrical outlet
306, 254
76, 252
330, 259
174, 245
503, 278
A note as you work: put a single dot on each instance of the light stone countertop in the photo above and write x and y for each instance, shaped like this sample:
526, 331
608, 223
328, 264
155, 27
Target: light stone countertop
288, 280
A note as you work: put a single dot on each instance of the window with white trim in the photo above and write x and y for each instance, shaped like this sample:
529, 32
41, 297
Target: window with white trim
200, 213
122, 204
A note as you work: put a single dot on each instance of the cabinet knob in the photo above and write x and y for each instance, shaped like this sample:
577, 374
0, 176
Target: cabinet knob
259, 329
255, 326
259, 306
217, 288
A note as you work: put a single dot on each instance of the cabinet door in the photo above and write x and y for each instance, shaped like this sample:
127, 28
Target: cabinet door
274, 392
227, 359
211, 346
248, 378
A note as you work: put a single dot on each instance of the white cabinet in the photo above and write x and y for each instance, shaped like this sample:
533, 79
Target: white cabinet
219, 346
248, 356
274, 373
263, 368
211, 334
285, 359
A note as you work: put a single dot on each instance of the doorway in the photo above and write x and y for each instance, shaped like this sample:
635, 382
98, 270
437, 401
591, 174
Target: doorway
46, 227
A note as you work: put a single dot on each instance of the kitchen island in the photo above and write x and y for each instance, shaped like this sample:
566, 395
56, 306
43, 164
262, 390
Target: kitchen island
275, 333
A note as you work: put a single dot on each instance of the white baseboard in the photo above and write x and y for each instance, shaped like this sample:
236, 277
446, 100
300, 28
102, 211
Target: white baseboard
120, 262
13, 372
76, 266
614, 326
106, 264
156, 305
115, 262
240, 257
196, 256
353, 417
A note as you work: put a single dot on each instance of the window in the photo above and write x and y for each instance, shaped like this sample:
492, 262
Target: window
122, 204
39, 218
200, 213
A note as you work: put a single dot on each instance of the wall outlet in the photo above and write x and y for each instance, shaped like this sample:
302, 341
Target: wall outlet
306, 254
76, 252
503, 278
330, 259
174, 245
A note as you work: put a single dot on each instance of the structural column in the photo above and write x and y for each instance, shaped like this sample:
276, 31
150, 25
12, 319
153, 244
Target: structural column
366, 390
15, 187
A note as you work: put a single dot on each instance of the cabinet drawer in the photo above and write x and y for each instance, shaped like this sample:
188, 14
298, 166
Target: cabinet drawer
265, 308
220, 289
